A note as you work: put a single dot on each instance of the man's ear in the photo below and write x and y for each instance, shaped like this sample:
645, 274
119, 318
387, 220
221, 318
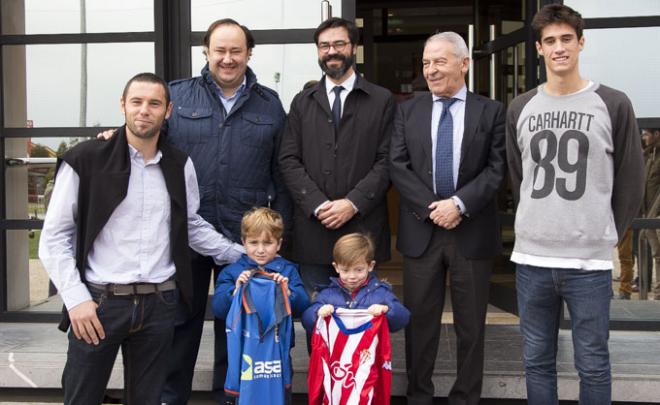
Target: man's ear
121, 105
465, 65
169, 110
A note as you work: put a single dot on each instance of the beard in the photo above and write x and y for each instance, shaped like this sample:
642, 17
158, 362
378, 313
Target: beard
143, 134
336, 72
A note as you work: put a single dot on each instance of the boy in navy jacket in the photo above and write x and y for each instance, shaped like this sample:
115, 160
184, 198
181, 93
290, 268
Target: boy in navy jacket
261, 232
356, 287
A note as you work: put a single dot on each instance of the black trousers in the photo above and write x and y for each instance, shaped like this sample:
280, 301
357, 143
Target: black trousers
187, 336
424, 281
314, 275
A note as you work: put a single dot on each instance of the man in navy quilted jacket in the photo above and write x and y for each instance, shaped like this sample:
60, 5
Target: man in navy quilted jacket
230, 126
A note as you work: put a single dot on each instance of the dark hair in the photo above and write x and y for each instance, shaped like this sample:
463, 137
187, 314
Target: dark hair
557, 14
336, 22
150, 78
249, 39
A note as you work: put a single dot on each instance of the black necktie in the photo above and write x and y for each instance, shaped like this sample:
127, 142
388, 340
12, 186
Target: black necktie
336, 106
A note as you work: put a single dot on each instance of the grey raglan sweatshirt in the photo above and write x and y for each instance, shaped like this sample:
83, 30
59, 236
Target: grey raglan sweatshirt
577, 171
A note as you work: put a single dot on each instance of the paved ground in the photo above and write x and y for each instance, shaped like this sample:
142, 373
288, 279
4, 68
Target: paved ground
32, 355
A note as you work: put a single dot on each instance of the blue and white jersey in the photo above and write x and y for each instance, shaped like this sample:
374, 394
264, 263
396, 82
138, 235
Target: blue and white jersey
258, 342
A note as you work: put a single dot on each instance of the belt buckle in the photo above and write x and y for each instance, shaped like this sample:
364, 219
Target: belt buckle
117, 289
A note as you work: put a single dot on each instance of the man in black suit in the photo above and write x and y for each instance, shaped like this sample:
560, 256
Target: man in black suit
334, 156
447, 161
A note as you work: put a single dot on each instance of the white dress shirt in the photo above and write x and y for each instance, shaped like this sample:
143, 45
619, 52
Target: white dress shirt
347, 85
457, 111
134, 245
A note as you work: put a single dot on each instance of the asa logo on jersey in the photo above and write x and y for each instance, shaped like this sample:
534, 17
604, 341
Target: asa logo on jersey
253, 370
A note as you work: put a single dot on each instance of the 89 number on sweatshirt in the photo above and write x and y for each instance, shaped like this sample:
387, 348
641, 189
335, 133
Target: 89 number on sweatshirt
556, 154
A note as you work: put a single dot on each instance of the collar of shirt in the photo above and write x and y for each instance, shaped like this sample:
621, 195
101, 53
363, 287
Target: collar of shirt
347, 84
228, 102
136, 156
461, 95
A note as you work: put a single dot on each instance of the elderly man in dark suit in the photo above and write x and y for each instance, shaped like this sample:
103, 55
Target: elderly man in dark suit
334, 156
447, 161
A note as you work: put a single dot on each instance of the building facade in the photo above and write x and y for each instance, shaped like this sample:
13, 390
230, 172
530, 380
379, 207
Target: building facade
64, 63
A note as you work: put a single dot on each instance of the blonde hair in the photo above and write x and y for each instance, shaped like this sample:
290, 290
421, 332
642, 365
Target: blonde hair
352, 248
261, 219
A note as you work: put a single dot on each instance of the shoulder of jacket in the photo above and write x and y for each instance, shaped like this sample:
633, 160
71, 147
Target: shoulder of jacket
185, 86
303, 95
379, 90
412, 103
378, 284
265, 93
485, 100
184, 82
284, 263
328, 289
236, 267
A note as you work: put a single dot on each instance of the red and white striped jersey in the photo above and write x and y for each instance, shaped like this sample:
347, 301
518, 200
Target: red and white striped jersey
351, 362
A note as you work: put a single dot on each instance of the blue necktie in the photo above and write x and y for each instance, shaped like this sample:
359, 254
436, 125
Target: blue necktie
444, 152
336, 106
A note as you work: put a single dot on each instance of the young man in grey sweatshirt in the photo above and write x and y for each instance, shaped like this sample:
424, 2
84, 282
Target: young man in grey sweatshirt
577, 175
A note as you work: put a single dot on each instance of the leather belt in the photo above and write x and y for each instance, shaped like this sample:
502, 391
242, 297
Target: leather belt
135, 288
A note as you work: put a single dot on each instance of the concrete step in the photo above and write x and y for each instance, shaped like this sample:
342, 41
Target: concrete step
33, 355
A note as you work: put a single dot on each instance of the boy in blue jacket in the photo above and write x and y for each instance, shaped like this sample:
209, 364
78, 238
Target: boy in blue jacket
261, 232
356, 287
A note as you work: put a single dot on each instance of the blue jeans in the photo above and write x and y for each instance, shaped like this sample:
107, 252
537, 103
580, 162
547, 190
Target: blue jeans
587, 295
142, 325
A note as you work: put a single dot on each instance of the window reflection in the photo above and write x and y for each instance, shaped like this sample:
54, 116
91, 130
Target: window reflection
614, 8
53, 82
36, 167
611, 65
31, 289
259, 14
283, 68
64, 17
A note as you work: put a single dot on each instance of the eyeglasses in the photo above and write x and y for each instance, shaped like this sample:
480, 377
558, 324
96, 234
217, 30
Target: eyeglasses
338, 45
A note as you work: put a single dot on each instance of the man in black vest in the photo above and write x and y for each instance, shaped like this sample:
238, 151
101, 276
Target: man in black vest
115, 244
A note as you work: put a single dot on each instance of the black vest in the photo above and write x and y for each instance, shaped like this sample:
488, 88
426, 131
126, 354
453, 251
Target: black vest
104, 168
